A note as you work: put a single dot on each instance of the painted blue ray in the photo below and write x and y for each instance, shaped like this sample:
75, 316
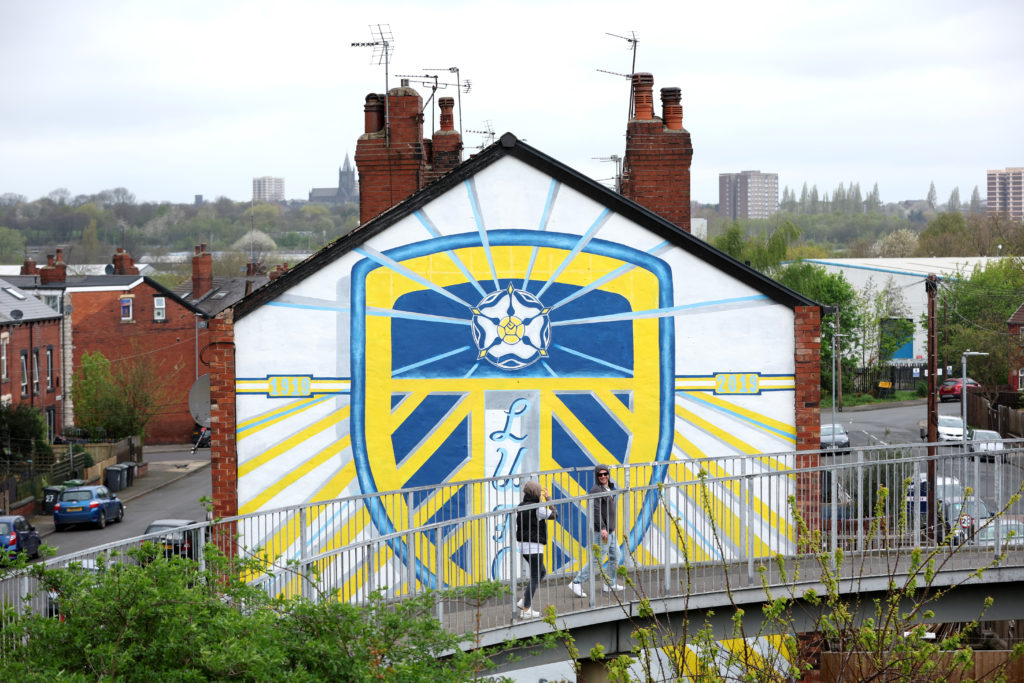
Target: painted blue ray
432, 229
548, 368
621, 270
544, 217
409, 315
427, 361
374, 255
292, 411
582, 242
471, 370
309, 307
700, 307
618, 368
481, 228
697, 398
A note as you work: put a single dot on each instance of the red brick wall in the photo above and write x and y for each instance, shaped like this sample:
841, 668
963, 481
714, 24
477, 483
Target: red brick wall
170, 345
807, 328
223, 457
656, 168
37, 335
1016, 358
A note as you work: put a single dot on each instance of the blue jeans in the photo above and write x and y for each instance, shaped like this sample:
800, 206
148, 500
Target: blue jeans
609, 567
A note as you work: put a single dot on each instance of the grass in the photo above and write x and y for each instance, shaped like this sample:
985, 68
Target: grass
853, 399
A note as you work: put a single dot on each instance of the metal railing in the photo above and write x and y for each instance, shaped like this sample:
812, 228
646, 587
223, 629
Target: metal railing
685, 527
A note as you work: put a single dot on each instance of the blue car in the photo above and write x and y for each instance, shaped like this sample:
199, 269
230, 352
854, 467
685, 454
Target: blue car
18, 536
86, 504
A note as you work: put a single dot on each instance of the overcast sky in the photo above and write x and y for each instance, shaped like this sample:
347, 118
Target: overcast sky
174, 99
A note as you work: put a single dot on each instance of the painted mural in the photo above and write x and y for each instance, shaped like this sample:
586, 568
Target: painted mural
512, 324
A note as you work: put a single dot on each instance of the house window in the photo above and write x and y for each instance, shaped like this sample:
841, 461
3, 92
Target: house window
126, 308
49, 368
24, 373
1020, 379
35, 371
4, 341
159, 308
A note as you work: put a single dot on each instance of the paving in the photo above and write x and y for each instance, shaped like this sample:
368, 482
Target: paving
165, 465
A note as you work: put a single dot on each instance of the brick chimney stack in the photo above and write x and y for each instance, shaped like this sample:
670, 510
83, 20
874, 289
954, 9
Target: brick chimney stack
202, 272
29, 267
446, 143
124, 264
656, 168
390, 155
54, 271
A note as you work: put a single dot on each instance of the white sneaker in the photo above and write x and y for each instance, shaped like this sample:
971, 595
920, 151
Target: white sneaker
520, 603
577, 589
529, 614
613, 587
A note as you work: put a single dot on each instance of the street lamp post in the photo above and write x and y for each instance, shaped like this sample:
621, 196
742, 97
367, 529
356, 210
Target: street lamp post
963, 389
963, 414
835, 337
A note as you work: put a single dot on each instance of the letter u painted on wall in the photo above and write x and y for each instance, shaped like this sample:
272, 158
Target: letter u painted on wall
501, 353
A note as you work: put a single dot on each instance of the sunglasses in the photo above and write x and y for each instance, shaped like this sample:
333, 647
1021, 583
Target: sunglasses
602, 474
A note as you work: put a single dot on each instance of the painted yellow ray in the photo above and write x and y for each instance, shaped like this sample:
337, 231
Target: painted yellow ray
289, 478
282, 447
415, 460
272, 417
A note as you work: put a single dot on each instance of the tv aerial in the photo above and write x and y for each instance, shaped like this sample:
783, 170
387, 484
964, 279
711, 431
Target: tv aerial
488, 134
461, 85
618, 169
383, 45
433, 81
632, 40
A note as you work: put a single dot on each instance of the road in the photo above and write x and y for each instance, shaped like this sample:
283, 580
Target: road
902, 425
179, 499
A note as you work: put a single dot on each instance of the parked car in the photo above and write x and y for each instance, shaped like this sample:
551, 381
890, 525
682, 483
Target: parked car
951, 428
89, 504
176, 541
946, 488
952, 388
1010, 530
961, 517
834, 437
18, 536
988, 443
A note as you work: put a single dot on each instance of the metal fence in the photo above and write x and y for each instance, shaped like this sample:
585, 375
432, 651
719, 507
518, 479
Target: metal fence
685, 527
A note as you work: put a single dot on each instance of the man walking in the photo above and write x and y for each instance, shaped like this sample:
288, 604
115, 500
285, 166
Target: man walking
602, 524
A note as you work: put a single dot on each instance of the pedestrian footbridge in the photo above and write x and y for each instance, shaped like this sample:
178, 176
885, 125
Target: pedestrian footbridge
698, 537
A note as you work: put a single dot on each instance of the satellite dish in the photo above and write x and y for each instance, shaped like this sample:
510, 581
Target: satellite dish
17, 314
109, 269
199, 401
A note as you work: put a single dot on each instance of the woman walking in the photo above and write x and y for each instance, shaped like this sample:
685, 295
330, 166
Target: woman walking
532, 534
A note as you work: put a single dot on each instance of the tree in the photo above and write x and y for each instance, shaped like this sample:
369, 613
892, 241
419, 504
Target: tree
946, 235
873, 202
954, 200
23, 432
115, 402
974, 308
12, 246
975, 201
932, 196
885, 325
140, 616
899, 244
830, 289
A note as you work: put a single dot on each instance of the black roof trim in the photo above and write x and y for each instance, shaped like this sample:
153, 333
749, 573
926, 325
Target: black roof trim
508, 144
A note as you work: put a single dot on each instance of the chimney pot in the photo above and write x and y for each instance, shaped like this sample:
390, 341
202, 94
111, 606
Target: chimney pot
60, 255
672, 108
643, 96
447, 120
373, 113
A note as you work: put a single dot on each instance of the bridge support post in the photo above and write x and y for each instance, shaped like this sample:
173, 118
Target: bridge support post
592, 671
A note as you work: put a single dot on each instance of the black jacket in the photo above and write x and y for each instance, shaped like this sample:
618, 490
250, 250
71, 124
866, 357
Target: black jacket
529, 527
